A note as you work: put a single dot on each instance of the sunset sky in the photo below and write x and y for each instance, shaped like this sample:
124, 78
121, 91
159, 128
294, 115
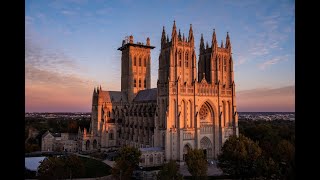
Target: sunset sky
71, 47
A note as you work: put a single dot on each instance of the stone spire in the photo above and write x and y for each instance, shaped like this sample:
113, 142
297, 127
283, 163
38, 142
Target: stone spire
201, 43
228, 43
190, 37
148, 41
179, 36
214, 40
222, 44
174, 32
163, 37
183, 39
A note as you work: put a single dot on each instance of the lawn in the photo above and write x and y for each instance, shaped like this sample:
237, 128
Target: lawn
95, 168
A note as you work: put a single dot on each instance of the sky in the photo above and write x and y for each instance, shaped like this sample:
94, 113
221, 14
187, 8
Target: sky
71, 47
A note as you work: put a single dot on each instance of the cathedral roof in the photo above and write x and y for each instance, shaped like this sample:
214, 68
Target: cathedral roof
113, 96
146, 95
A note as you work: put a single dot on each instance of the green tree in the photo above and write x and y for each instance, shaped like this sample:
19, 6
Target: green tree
169, 170
197, 163
239, 157
127, 161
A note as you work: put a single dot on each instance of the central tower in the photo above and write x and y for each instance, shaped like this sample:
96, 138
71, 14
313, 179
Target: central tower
135, 67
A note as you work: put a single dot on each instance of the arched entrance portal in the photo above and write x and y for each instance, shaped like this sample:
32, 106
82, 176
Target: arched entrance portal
94, 144
186, 148
206, 145
88, 145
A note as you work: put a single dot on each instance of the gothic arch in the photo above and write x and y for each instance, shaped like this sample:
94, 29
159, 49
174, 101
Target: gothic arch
88, 145
140, 59
229, 114
187, 59
111, 134
179, 58
186, 148
190, 123
151, 159
163, 140
206, 113
175, 113
95, 144
183, 114
159, 159
224, 113
206, 145
211, 108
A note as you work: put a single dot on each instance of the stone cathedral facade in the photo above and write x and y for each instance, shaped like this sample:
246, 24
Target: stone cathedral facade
188, 109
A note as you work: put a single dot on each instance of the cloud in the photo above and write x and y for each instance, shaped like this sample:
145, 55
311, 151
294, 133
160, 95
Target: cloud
259, 50
273, 61
272, 100
68, 12
52, 81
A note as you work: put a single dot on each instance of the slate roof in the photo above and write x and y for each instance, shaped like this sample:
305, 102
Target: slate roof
112, 96
146, 95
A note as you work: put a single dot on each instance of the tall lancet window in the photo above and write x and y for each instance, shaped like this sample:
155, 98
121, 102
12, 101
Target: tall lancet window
179, 59
224, 64
187, 59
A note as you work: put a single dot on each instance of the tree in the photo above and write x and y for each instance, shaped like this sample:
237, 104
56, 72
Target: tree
197, 163
239, 157
285, 153
268, 168
73, 126
127, 161
51, 168
74, 166
169, 170
61, 167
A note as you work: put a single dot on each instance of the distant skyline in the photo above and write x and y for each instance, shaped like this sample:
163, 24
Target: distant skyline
71, 47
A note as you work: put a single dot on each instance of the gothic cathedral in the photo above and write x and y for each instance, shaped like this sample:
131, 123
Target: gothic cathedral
188, 109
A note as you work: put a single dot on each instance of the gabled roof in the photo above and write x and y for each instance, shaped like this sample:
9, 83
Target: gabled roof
146, 95
112, 96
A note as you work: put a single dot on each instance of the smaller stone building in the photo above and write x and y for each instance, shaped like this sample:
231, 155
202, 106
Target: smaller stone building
151, 157
59, 142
